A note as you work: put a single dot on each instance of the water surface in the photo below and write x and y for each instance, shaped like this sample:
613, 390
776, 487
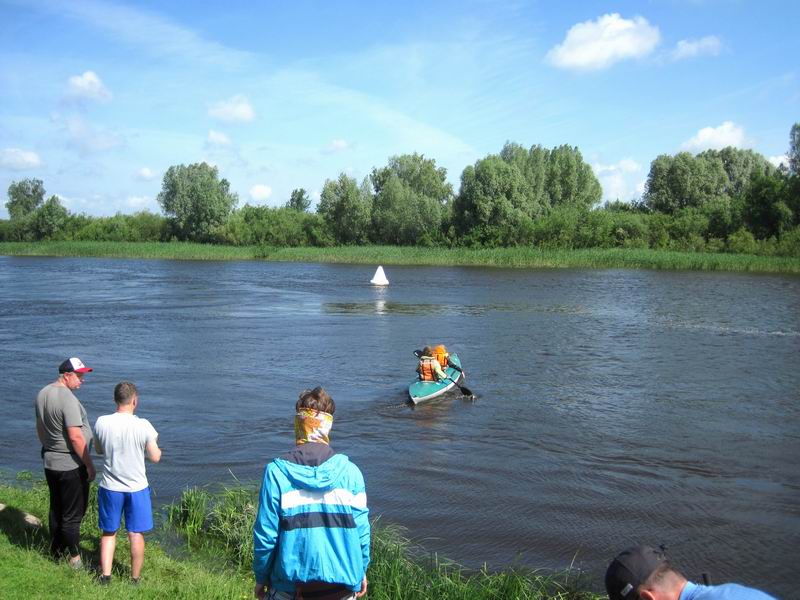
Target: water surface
614, 407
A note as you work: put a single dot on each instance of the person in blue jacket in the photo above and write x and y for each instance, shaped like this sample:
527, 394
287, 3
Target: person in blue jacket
311, 536
643, 573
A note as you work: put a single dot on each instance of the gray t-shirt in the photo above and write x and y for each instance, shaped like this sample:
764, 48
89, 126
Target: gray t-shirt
56, 409
121, 438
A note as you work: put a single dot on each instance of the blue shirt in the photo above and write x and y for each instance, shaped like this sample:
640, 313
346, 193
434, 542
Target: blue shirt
726, 591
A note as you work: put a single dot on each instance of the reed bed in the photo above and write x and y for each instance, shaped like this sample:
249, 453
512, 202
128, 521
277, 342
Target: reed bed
216, 529
593, 258
400, 569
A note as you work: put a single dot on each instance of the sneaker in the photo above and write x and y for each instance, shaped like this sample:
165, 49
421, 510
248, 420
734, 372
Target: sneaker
135, 580
77, 565
104, 579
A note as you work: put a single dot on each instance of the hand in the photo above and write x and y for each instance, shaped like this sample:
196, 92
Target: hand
90, 471
260, 591
363, 588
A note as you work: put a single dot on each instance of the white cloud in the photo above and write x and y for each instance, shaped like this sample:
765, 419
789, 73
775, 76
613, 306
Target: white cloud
716, 138
260, 192
599, 44
236, 109
148, 31
709, 45
337, 145
87, 87
145, 174
217, 138
621, 180
778, 161
19, 160
139, 203
85, 138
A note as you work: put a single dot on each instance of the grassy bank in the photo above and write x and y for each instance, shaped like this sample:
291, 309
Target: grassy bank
217, 530
596, 258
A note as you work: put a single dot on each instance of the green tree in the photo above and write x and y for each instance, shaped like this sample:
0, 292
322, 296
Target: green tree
766, 207
684, 181
794, 150
196, 199
557, 177
345, 207
740, 166
48, 221
493, 206
24, 197
570, 181
299, 200
419, 174
533, 164
411, 196
401, 216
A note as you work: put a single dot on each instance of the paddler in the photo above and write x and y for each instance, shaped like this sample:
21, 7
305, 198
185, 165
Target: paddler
441, 354
429, 368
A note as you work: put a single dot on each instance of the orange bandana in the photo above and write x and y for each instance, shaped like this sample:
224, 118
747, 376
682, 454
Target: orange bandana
312, 426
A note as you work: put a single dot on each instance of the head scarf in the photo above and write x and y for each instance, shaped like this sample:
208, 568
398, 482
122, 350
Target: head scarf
312, 426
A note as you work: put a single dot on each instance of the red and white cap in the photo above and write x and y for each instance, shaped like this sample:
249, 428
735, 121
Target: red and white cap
73, 365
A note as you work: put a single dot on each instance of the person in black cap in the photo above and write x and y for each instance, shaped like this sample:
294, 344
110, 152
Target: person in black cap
63, 429
643, 573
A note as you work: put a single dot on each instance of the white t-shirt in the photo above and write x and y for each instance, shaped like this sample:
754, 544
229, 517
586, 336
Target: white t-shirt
121, 438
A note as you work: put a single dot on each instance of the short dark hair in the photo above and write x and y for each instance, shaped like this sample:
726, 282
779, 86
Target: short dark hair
124, 393
316, 399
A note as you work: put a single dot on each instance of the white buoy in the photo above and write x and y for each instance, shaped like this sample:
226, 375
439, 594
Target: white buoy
379, 278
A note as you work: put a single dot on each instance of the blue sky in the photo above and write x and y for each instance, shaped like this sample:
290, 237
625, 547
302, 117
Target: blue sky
99, 98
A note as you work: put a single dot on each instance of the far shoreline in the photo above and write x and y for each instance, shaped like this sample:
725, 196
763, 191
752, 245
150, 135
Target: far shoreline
519, 257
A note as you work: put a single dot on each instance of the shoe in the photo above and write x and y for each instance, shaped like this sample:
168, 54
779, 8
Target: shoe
104, 579
76, 565
135, 580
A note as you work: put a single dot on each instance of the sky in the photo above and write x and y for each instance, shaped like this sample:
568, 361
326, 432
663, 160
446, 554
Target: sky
99, 98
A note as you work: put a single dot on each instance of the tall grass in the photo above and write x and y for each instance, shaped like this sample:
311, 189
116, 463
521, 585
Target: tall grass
521, 257
26, 571
399, 570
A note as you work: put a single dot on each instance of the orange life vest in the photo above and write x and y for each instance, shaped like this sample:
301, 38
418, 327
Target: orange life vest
427, 372
440, 353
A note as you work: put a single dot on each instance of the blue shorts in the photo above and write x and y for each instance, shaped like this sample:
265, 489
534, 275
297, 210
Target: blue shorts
136, 506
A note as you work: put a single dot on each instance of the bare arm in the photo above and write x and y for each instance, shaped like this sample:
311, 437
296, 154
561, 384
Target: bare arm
153, 451
80, 448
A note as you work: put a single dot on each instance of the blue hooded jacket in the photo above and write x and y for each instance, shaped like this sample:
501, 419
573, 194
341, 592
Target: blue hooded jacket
312, 522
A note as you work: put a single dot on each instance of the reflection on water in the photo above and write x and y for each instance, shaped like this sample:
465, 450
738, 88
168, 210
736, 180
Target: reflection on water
381, 307
615, 407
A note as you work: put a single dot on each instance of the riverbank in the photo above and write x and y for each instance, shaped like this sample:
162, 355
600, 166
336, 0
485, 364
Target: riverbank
597, 258
214, 560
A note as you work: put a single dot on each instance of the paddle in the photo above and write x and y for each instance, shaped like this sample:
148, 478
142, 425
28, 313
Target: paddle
462, 388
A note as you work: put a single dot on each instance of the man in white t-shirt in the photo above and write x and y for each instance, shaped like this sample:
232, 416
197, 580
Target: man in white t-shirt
124, 439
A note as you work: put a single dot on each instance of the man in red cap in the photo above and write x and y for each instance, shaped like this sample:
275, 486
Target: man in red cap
63, 429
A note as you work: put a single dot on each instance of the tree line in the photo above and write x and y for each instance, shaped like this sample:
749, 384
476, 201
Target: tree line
730, 200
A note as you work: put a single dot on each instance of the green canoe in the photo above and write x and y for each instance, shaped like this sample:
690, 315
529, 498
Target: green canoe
420, 391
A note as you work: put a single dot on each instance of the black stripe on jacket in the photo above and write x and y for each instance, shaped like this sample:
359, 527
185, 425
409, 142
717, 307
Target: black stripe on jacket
318, 519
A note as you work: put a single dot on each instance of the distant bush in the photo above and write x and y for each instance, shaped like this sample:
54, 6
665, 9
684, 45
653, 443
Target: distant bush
789, 244
277, 227
139, 227
742, 242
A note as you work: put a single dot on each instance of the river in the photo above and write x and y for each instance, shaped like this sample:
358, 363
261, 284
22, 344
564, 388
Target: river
613, 406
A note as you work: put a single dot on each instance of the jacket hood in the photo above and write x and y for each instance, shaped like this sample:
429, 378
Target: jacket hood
321, 477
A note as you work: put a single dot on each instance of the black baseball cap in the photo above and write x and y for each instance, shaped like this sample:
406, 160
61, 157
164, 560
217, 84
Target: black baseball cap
630, 569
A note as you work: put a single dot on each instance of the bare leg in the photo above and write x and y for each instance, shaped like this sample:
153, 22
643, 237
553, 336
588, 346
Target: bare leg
108, 543
137, 553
